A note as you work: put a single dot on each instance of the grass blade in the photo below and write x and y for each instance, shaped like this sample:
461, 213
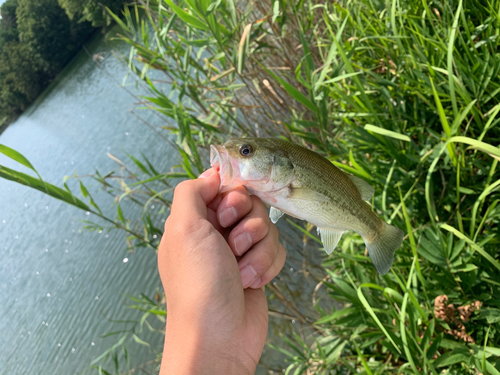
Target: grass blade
472, 244
387, 133
374, 316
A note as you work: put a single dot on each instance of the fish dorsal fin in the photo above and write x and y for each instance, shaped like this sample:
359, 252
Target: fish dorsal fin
307, 195
364, 188
330, 239
275, 214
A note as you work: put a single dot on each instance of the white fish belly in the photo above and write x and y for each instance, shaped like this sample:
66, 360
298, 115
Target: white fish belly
323, 214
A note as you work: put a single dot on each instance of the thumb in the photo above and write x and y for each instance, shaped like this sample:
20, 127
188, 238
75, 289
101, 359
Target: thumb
191, 197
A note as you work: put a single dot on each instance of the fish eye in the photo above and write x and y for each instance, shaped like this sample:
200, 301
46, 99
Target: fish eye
246, 150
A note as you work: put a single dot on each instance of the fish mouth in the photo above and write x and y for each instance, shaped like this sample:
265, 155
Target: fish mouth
214, 158
220, 161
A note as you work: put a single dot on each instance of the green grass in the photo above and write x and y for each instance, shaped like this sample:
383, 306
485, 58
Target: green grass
404, 94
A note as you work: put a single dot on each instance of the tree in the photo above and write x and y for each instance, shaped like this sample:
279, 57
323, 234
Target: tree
8, 23
22, 78
37, 39
45, 28
91, 10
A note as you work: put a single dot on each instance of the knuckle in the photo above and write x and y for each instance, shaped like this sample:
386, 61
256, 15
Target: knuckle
237, 200
267, 259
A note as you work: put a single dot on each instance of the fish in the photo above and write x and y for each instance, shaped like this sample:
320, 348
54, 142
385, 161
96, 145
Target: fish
299, 182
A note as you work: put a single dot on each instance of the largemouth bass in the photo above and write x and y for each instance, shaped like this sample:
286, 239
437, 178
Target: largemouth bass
299, 182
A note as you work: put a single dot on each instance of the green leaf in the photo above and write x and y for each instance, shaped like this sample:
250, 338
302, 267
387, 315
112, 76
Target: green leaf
120, 213
491, 315
223, 74
84, 190
304, 231
465, 190
475, 144
387, 133
375, 317
139, 164
340, 78
460, 119
292, 91
110, 350
357, 172
444, 122
455, 356
476, 247
118, 20
213, 6
276, 10
336, 315
42, 186
451, 42
186, 17
139, 341
16, 156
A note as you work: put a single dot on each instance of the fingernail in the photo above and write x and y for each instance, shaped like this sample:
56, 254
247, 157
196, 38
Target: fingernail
256, 283
207, 173
247, 274
242, 243
227, 216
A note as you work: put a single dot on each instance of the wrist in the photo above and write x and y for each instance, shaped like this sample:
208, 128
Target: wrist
189, 351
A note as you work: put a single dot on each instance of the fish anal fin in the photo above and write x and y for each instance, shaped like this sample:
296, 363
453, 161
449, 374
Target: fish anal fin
330, 238
364, 188
275, 214
307, 195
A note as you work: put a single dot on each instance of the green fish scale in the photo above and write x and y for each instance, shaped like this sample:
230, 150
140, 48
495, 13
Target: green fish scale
315, 172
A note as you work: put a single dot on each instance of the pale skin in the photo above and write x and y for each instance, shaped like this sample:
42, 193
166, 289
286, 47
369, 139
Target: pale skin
216, 255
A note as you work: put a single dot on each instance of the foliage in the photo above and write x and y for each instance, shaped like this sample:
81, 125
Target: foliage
403, 94
21, 80
45, 29
91, 10
8, 22
37, 39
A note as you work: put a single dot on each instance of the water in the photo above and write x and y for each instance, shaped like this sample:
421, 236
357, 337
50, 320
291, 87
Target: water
60, 286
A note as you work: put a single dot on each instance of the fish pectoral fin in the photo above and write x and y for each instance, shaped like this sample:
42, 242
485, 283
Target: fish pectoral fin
364, 188
307, 195
275, 214
330, 238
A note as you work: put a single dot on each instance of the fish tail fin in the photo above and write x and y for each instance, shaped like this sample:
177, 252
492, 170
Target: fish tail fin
383, 246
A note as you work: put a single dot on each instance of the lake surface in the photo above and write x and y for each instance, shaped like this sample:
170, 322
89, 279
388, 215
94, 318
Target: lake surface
60, 286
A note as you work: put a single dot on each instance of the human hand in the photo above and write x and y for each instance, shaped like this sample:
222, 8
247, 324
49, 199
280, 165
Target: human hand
217, 253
